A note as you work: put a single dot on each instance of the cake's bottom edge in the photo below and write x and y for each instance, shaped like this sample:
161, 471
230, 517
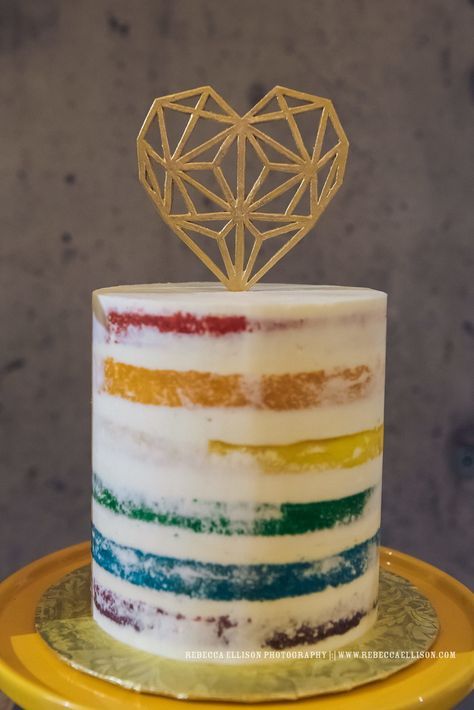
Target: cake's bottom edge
340, 632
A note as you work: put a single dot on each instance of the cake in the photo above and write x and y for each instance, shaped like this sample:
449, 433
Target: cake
237, 466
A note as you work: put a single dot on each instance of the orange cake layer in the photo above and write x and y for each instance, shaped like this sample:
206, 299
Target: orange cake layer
172, 388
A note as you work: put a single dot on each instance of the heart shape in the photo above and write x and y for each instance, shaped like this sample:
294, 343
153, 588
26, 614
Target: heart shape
220, 175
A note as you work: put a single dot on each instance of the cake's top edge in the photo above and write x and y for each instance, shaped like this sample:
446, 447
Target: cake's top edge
208, 293
262, 302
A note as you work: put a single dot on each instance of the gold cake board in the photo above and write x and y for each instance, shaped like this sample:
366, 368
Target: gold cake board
37, 679
406, 624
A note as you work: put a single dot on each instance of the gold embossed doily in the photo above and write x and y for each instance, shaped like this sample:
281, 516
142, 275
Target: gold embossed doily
407, 623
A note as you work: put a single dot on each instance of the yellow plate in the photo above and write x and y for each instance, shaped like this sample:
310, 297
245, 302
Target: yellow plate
35, 678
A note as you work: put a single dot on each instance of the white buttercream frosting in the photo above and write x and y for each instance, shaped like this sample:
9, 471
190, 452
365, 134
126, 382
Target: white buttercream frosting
144, 452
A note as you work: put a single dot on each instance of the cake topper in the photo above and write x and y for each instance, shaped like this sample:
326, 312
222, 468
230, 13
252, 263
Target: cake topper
241, 191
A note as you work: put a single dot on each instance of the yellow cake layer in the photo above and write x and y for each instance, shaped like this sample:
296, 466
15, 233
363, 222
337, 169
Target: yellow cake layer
317, 455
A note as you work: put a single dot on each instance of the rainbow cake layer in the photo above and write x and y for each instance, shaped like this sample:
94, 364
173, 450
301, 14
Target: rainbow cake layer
237, 457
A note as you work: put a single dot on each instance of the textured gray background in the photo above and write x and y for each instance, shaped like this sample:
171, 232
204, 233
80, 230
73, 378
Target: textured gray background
76, 79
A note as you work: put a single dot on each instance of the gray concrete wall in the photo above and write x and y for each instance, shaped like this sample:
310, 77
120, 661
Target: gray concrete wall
76, 79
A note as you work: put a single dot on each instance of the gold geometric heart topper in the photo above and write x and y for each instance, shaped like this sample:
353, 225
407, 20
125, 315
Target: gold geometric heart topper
241, 191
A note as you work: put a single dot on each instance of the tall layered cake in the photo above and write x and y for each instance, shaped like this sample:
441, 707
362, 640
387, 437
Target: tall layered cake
237, 459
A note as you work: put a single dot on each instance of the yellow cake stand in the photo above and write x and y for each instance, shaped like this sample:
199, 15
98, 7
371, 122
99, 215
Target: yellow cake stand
35, 678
